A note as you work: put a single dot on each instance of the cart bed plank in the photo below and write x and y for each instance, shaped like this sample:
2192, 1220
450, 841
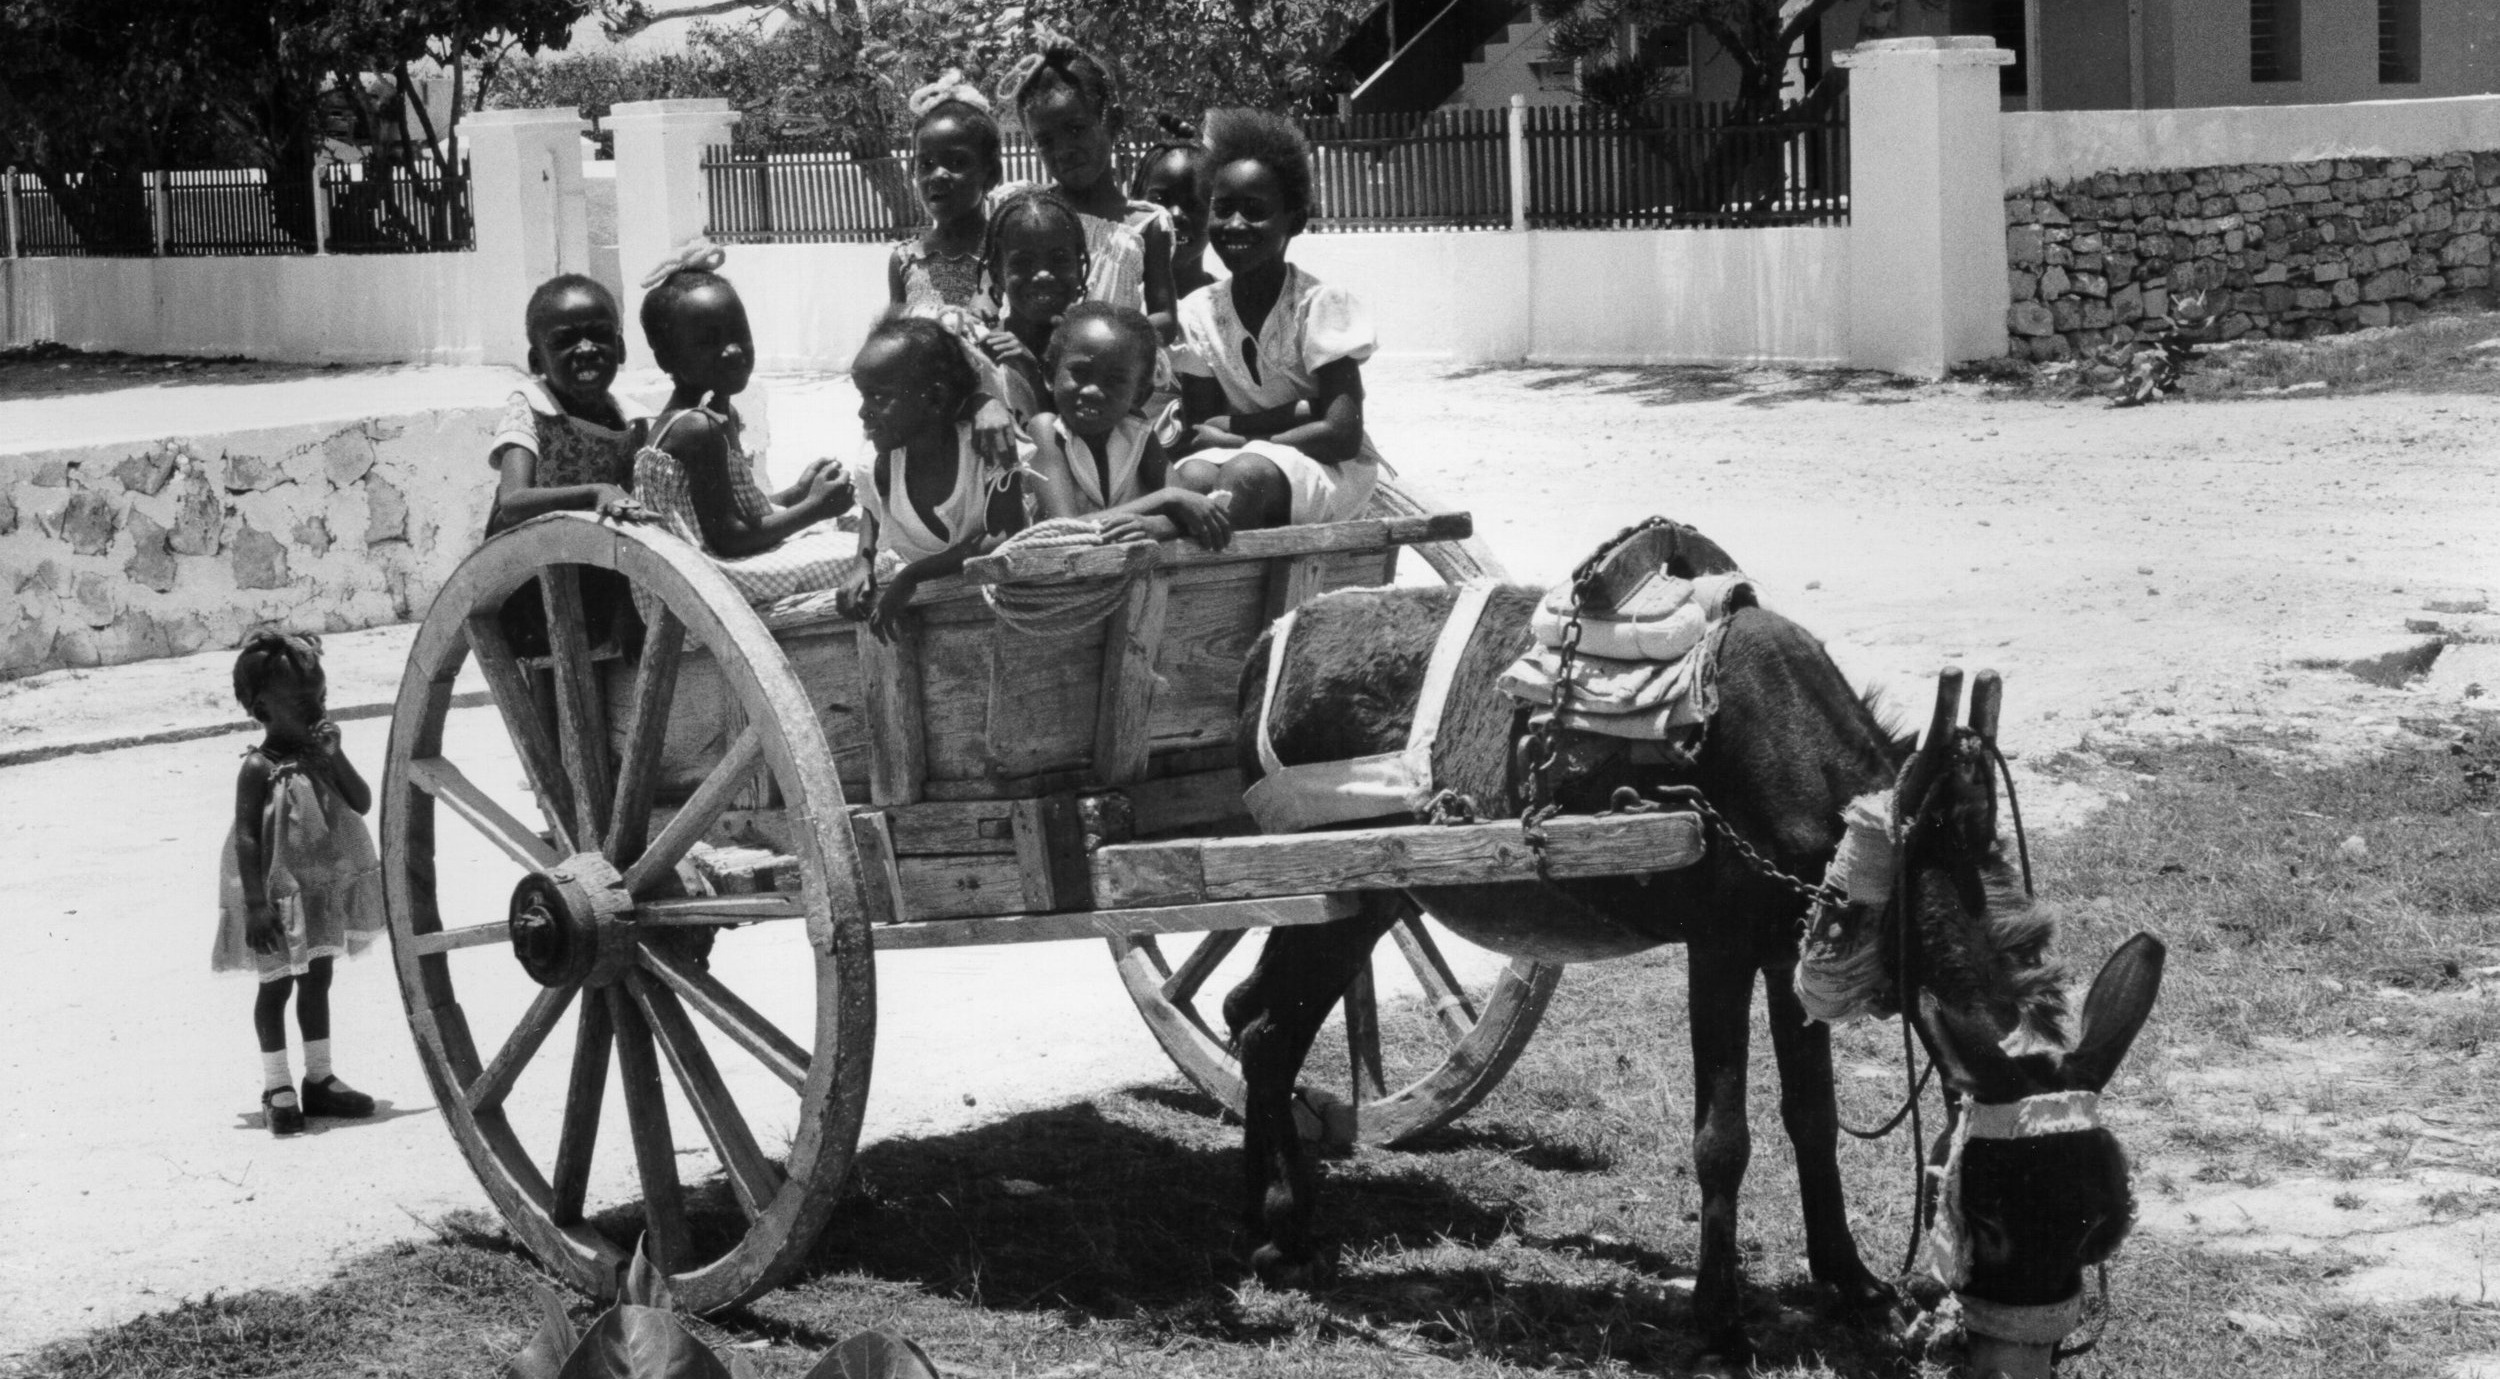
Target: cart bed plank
1271, 912
1198, 870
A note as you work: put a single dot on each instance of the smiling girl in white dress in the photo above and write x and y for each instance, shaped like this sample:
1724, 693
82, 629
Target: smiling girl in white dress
1272, 376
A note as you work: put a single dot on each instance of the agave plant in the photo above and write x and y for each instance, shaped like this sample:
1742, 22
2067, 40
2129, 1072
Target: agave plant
642, 1338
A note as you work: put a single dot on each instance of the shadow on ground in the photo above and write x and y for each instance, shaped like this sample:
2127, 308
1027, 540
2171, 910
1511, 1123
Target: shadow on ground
1679, 384
49, 370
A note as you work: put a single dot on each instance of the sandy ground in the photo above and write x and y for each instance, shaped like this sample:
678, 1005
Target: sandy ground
2155, 572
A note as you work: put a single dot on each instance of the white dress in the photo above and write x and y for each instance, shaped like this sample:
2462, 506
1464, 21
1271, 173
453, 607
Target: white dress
901, 530
1052, 437
1311, 325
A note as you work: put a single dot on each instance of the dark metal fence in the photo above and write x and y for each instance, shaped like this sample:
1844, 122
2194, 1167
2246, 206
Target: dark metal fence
239, 211
1680, 164
388, 210
1683, 164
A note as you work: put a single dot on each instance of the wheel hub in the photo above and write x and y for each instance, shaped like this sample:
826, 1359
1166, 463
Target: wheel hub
570, 925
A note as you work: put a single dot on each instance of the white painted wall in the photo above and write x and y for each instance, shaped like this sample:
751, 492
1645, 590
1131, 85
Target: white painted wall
2062, 145
1469, 296
342, 308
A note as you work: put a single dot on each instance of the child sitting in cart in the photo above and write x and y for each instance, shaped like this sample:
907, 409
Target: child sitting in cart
1272, 376
1065, 99
694, 475
928, 501
1037, 262
955, 166
1094, 455
565, 443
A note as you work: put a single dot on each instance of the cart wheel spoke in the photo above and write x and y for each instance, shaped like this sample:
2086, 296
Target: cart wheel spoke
719, 909
1450, 1005
690, 823
583, 1100
755, 1179
581, 716
1182, 987
781, 1055
655, 690
531, 737
1362, 1038
655, 1150
437, 777
495, 1082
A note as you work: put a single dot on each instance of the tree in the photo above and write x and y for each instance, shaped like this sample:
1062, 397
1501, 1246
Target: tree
1758, 36
94, 93
1176, 58
1616, 44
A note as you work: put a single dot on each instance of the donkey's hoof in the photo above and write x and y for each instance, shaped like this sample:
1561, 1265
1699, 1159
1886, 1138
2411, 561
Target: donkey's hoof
1276, 1269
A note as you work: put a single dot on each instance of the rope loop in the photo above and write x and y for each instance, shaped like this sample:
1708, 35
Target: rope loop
1055, 607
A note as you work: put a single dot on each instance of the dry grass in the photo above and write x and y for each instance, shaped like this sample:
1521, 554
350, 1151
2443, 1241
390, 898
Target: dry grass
1551, 1231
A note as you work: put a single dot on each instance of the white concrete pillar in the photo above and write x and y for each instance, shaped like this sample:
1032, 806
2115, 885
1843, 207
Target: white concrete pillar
525, 191
1518, 145
660, 197
1926, 204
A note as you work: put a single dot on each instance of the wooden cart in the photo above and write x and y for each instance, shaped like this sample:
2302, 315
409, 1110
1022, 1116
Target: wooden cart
707, 778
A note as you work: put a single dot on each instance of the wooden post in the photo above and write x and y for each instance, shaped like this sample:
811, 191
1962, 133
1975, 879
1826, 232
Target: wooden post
13, 251
1518, 161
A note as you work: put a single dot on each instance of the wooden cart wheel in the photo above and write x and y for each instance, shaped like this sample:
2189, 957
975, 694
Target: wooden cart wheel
598, 925
1427, 1065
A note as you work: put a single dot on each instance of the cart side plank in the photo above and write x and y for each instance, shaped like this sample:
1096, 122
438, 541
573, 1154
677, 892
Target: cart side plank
1272, 912
1198, 870
1096, 562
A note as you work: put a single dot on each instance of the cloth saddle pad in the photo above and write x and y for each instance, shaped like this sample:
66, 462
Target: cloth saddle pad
1647, 619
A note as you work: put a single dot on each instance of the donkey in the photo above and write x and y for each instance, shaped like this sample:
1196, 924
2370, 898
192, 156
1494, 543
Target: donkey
1790, 745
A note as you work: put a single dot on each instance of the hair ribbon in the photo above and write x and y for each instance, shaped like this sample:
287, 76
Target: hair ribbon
950, 86
697, 255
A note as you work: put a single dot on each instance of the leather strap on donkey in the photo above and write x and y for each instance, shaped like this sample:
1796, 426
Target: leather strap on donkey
1289, 799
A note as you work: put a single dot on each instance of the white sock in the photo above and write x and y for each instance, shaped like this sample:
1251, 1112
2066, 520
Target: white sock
273, 1072
316, 1060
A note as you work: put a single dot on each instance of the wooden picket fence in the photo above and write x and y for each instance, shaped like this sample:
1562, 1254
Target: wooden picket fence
239, 211
1681, 164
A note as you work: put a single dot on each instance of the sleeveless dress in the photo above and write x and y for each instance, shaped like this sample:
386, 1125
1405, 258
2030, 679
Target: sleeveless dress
901, 530
1127, 450
321, 873
933, 282
814, 558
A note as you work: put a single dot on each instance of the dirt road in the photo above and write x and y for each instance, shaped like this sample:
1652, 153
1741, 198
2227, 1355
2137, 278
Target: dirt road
2150, 572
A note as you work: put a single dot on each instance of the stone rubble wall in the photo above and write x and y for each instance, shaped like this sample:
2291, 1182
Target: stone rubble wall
2287, 250
118, 553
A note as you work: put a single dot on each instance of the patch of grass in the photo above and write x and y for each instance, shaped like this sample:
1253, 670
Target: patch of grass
1553, 1231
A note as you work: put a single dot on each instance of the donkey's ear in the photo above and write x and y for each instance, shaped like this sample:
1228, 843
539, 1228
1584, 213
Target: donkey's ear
2120, 1003
1974, 1065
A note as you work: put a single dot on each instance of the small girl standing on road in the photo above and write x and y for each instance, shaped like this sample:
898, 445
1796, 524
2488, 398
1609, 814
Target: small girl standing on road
1272, 381
299, 883
928, 501
1064, 98
955, 165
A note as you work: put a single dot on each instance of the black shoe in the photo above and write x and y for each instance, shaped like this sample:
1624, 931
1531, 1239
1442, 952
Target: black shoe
283, 1120
333, 1098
